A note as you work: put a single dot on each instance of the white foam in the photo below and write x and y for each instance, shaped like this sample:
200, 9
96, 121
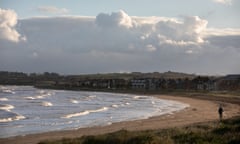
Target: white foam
6, 120
139, 97
8, 91
18, 117
6, 107
42, 96
38, 96
3, 99
30, 98
115, 106
76, 114
47, 104
74, 101
85, 112
98, 110
92, 96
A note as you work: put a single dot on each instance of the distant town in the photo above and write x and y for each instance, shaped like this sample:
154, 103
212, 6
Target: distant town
124, 81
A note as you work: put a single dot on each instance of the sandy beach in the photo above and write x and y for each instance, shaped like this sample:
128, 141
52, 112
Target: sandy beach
198, 111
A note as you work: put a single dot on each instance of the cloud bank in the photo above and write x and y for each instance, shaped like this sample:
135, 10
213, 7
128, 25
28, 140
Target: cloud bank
52, 10
118, 42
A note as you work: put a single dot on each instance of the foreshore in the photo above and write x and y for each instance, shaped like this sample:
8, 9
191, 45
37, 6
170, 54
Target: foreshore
198, 111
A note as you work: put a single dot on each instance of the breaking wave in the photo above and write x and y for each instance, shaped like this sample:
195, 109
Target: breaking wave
46, 104
6, 107
8, 91
74, 101
3, 99
140, 97
115, 106
85, 112
91, 97
41, 96
8, 116
30, 98
18, 117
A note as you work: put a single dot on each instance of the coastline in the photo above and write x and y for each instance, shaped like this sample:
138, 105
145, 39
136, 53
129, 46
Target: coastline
198, 111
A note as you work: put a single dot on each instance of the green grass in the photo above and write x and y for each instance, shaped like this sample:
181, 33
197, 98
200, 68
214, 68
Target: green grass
226, 132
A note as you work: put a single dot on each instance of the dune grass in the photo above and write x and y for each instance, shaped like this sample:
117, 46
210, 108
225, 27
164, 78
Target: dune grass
225, 132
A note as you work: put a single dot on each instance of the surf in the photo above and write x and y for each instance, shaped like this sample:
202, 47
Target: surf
86, 112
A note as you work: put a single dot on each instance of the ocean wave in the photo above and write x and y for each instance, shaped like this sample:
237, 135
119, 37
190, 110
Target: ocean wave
99, 110
19, 117
125, 104
3, 99
114, 106
6, 107
46, 104
140, 97
8, 91
76, 114
42, 96
85, 112
74, 101
7, 116
91, 97
30, 98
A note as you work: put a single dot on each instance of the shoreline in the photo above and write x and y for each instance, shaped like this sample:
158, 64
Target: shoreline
198, 111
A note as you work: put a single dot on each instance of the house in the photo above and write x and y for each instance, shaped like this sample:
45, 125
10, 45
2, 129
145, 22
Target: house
138, 83
229, 82
152, 84
204, 83
118, 83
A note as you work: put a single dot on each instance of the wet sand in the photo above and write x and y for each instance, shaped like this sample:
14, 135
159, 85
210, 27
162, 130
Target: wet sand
198, 111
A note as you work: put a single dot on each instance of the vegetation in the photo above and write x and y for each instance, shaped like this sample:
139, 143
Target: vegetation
226, 132
136, 81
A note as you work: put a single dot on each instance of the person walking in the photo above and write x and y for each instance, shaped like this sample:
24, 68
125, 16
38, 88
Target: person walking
220, 112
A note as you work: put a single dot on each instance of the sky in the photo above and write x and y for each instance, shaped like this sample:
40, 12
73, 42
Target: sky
82, 37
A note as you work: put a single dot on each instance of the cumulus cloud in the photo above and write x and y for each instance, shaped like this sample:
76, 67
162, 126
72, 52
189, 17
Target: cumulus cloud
119, 42
226, 2
188, 30
8, 21
52, 10
115, 19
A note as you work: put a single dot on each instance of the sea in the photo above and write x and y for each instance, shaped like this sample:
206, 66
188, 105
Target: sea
28, 110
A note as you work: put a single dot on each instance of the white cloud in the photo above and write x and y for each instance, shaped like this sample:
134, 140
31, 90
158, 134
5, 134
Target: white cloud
226, 2
52, 10
115, 19
221, 32
188, 30
8, 21
117, 41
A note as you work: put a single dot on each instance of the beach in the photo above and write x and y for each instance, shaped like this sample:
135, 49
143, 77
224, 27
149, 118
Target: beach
198, 111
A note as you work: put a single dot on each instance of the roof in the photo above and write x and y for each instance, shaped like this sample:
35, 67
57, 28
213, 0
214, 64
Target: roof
232, 77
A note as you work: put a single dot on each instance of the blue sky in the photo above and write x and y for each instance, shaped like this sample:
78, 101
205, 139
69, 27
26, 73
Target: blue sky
217, 14
90, 36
